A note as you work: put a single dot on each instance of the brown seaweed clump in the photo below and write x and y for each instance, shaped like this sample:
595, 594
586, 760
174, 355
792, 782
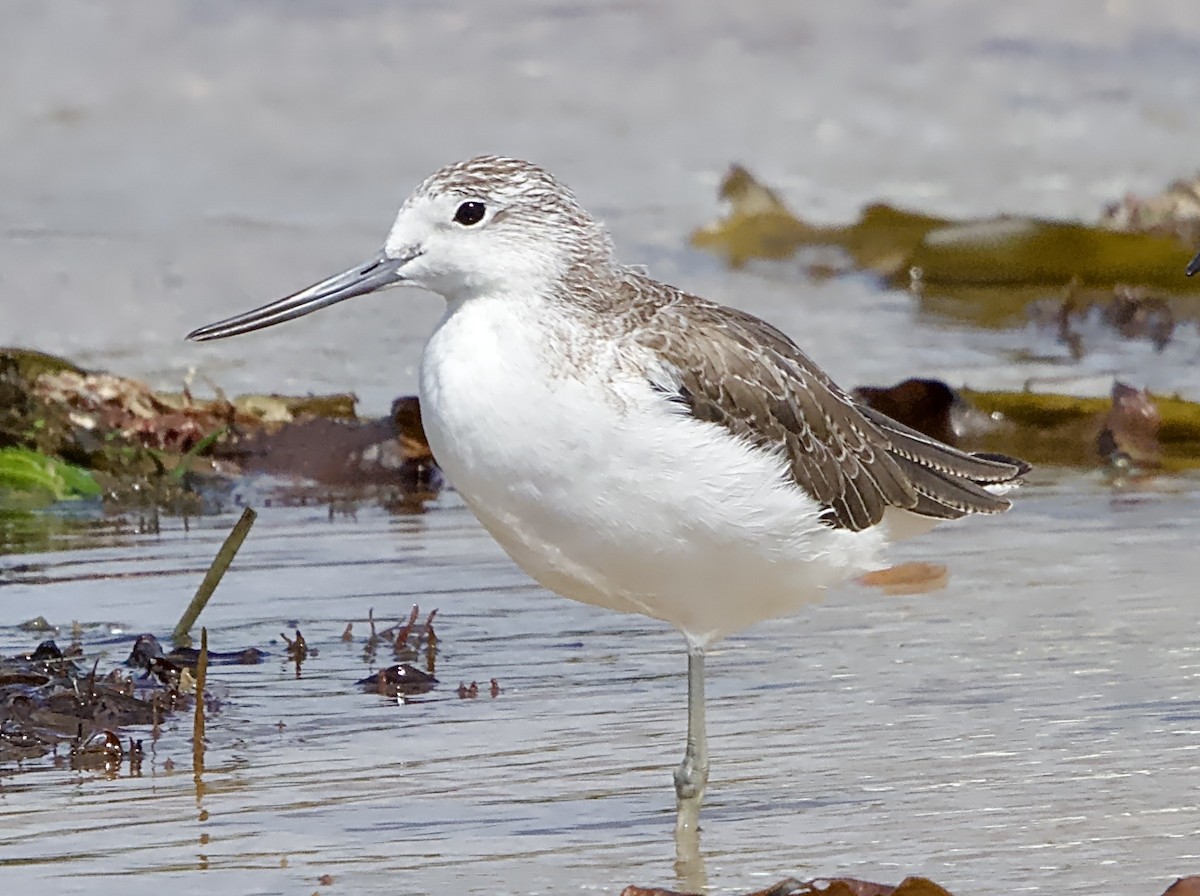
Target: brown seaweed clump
49, 699
847, 886
68, 432
839, 886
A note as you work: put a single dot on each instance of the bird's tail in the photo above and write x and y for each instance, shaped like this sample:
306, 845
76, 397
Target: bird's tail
949, 483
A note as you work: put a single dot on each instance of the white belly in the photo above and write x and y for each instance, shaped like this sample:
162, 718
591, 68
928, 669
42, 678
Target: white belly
610, 496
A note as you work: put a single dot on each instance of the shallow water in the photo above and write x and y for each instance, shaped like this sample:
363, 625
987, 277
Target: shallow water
1035, 723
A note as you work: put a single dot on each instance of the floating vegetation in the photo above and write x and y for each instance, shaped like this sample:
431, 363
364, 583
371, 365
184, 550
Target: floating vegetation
1130, 430
987, 270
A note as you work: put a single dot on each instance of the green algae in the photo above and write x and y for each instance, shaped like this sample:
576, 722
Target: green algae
34, 474
1021, 252
985, 270
1062, 430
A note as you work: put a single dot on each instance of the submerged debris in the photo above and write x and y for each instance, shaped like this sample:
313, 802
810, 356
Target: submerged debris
400, 680
102, 749
1066, 430
466, 692
147, 654
1128, 435
405, 641
1127, 312
298, 650
408, 641
471, 691
37, 624
48, 699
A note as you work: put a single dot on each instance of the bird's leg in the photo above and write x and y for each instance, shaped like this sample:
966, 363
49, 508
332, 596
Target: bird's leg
692, 774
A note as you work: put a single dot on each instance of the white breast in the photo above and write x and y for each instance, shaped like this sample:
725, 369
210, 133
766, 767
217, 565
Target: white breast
605, 492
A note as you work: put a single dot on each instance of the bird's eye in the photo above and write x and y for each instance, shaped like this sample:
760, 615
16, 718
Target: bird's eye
470, 213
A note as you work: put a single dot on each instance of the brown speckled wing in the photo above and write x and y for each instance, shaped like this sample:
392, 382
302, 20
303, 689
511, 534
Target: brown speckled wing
740, 373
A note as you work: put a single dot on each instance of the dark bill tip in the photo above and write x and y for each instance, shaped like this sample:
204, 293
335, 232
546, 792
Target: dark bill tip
1193, 267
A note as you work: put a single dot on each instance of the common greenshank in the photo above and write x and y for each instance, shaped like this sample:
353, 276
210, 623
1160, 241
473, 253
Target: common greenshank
633, 446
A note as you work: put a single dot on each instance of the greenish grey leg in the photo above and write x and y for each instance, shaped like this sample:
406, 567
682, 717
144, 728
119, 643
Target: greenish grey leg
692, 775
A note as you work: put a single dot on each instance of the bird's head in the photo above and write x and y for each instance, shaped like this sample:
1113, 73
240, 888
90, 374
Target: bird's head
484, 226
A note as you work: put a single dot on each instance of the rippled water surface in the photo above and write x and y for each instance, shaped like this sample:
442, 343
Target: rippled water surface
1036, 722
1034, 726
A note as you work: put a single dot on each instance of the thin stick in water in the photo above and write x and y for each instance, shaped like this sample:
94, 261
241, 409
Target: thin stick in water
212, 578
198, 719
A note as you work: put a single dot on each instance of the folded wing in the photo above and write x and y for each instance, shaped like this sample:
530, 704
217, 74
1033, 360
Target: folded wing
736, 371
